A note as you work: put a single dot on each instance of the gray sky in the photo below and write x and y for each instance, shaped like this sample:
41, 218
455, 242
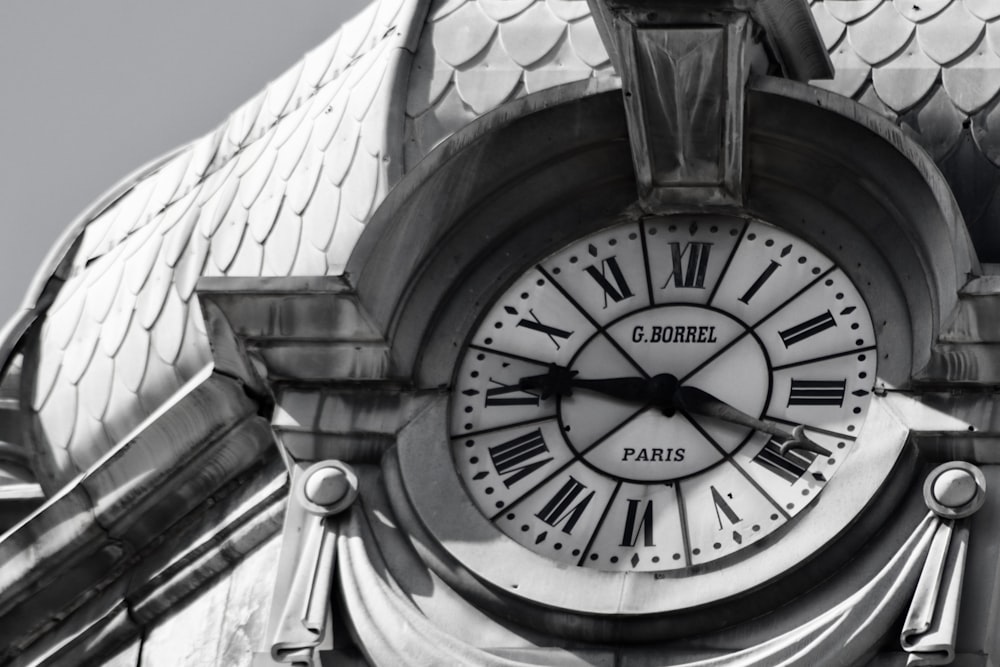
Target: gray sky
90, 91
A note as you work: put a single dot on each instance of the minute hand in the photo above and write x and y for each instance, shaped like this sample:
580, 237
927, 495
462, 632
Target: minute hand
701, 402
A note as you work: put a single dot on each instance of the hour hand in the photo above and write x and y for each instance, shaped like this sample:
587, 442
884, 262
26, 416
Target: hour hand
561, 382
558, 381
701, 402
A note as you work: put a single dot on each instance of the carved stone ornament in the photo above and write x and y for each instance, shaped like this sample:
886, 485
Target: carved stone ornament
684, 68
319, 493
953, 492
381, 600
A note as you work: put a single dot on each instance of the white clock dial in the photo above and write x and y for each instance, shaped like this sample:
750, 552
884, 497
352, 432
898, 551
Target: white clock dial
624, 404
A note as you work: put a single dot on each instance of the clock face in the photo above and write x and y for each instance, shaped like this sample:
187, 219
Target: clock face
663, 395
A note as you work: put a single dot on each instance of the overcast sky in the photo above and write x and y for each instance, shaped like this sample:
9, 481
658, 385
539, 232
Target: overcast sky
91, 90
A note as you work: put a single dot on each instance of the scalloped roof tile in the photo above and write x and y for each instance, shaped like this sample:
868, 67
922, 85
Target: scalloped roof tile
550, 42
987, 10
502, 10
830, 29
461, 35
586, 43
491, 81
904, 81
986, 132
950, 35
852, 71
881, 35
936, 125
849, 11
972, 82
535, 34
569, 10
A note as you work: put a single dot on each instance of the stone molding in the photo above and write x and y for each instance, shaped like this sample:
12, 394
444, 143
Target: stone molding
86, 539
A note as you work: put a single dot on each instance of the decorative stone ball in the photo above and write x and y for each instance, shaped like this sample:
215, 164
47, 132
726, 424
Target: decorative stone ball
327, 486
955, 488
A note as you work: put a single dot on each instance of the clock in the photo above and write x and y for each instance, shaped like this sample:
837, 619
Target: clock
647, 420
667, 395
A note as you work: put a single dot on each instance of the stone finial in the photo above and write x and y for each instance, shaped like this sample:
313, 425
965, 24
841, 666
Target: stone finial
955, 490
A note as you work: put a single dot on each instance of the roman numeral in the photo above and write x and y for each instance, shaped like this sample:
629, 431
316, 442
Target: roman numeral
535, 324
817, 392
689, 264
761, 279
509, 394
811, 327
616, 288
513, 459
634, 523
564, 507
789, 466
722, 508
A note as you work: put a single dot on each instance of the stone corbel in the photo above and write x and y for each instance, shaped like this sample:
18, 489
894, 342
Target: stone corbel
319, 493
684, 68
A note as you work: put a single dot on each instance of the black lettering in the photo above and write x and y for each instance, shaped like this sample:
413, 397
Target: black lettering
634, 524
513, 459
637, 334
535, 324
817, 392
761, 279
506, 395
689, 265
616, 288
722, 509
790, 466
809, 328
561, 507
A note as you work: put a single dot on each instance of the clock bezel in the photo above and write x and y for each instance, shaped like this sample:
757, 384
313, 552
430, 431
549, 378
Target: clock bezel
499, 336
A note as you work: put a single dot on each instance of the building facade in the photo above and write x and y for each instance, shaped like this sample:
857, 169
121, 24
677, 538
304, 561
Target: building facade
533, 332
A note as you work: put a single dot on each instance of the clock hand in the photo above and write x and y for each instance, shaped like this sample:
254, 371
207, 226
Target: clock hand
561, 381
701, 402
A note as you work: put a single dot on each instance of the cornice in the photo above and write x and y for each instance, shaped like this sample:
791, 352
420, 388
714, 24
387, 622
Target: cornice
86, 537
